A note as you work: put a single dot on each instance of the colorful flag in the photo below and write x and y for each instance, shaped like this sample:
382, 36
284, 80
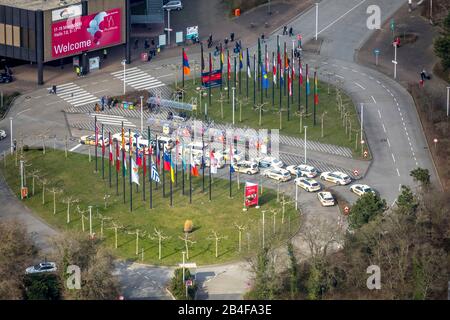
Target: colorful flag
172, 170
266, 60
186, 68
123, 137
110, 149
307, 83
222, 57
249, 73
316, 90
241, 63
96, 136
134, 172
117, 157
265, 82
300, 76
144, 164
274, 71
194, 169
289, 82
167, 160
138, 153
293, 70
154, 175
228, 66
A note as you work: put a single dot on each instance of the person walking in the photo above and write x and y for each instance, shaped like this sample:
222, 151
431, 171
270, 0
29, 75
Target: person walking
226, 42
291, 32
105, 53
285, 30
54, 89
232, 36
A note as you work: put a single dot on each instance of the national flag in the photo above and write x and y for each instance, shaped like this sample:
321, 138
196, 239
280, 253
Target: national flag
222, 58
289, 82
212, 162
124, 163
307, 84
249, 73
300, 76
103, 145
154, 175
316, 90
110, 149
123, 137
241, 63
144, 163
134, 172
167, 160
274, 71
186, 68
265, 82
203, 61
293, 70
117, 157
96, 136
172, 170
138, 153
266, 60
194, 169
228, 66
232, 168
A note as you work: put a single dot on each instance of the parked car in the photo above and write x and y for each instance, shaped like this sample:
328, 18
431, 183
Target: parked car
303, 170
173, 5
326, 198
267, 162
336, 177
361, 189
2, 134
237, 155
5, 78
247, 167
277, 174
90, 140
308, 184
42, 267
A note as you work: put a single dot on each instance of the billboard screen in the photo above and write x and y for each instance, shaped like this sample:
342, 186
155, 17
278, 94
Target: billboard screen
86, 33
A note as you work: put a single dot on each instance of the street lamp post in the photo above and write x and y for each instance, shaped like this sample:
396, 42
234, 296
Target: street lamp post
435, 143
168, 27
21, 179
305, 127
263, 227
184, 280
395, 60
296, 197
124, 63
11, 133
362, 120
142, 115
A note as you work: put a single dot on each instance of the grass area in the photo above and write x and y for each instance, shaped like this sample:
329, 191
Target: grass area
246, 114
75, 177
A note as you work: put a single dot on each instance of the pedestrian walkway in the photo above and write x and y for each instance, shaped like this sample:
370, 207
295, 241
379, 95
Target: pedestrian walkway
74, 94
138, 79
112, 120
317, 146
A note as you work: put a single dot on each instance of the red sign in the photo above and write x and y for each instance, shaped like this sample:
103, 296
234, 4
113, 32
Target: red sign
86, 33
251, 194
355, 172
346, 210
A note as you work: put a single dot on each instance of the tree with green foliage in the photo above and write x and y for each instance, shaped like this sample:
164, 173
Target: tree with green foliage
42, 286
407, 201
293, 271
442, 44
421, 175
177, 285
366, 209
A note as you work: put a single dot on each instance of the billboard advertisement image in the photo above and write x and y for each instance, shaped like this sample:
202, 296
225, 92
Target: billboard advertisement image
251, 194
86, 33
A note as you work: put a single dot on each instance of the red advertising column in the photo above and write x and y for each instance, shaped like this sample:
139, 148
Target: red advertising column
251, 195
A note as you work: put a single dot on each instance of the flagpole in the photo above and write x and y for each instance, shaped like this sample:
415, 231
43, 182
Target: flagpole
157, 159
190, 177
183, 163
273, 83
265, 61
228, 77
315, 88
150, 166
96, 144
130, 169
170, 172
209, 86
164, 176
262, 76
117, 172
221, 66
110, 150
182, 66
230, 175
254, 79
284, 68
103, 154
235, 75
299, 84
203, 165
240, 71
248, 65
306, 90
292, 76
210, 167
143, 174
289, 92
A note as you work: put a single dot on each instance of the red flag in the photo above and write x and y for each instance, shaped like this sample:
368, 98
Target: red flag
300, 76
229, 67
144, 162
103, 146
96, 136
289, 83
117, 157
110, 149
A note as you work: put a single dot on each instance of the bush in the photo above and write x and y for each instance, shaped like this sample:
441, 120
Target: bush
177, 285
44, 286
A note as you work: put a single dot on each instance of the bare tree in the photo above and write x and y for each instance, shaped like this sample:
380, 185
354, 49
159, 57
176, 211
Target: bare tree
34, 175
217, 238
137, 233
69, 200
55, 190
115, 226
158, 235
240, 229
44, 182
187, 243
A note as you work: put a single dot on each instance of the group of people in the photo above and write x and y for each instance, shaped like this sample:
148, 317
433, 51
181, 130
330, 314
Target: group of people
285, 31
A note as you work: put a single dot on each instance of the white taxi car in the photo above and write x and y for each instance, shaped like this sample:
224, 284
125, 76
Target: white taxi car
247, 167
361, 189
336, 177
326, 198
308, 184
277, 174
303, 170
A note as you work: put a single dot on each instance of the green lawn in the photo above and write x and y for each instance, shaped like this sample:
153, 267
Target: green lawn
75, 176
334, 129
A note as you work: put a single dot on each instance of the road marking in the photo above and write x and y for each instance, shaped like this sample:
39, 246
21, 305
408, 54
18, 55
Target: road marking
398, 172
353, 70
360, 86
384, 129
387, 139
170, 74
399, 188
100, 91
331, 24
76, 147
379, 113
393, 158
375, 101
23, 111
38, 97
49, 104
340, 76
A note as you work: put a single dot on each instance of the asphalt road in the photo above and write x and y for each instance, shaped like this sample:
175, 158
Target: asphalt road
391, 124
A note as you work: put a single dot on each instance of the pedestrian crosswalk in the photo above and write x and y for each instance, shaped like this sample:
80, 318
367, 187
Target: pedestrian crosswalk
317, 146
108, 119
138, 79
74, 94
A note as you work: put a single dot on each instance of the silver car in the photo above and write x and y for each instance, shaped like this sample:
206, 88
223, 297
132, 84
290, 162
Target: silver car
2, 134
42, 267
173, 5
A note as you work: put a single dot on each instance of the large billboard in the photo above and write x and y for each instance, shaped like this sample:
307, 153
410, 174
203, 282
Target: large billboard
86, 33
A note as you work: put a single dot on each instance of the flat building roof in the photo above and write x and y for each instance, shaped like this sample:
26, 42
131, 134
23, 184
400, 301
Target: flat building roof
38, 4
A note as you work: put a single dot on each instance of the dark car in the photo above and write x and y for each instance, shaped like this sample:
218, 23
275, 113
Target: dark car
5, 78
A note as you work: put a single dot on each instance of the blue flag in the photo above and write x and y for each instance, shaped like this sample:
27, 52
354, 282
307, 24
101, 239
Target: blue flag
265, 78
154, 175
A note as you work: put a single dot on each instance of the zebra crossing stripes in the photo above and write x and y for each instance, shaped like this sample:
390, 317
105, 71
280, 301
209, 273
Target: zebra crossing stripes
138, 79
74, 94
112, 120
317, 146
